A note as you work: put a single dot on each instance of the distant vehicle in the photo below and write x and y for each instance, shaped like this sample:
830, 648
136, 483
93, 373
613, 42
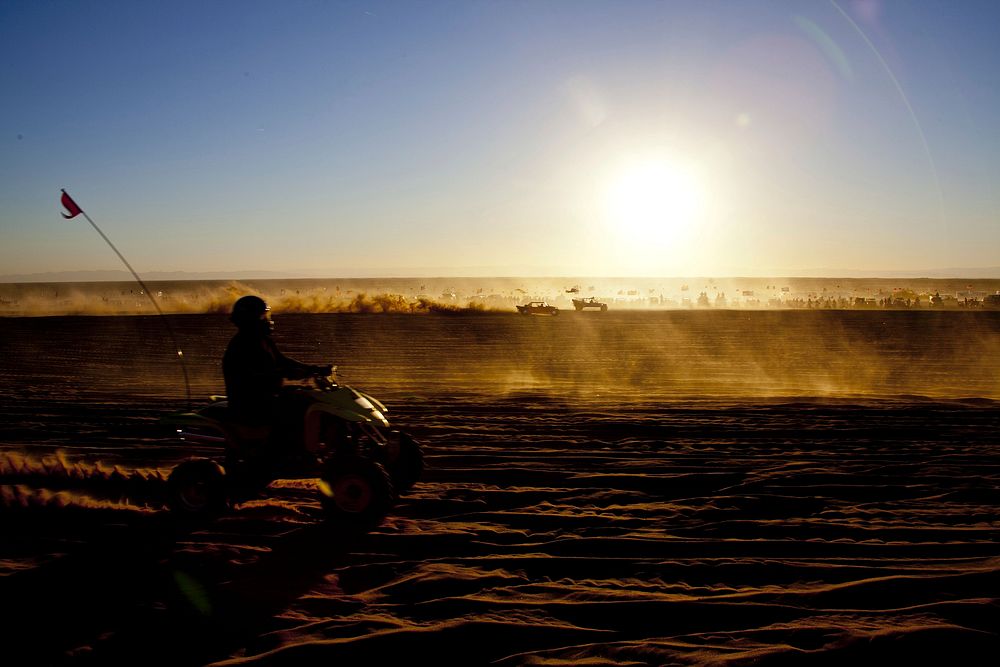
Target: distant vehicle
537, 308
575, 289
589, 302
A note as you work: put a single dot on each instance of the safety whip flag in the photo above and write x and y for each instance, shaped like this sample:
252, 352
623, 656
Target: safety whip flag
72, 210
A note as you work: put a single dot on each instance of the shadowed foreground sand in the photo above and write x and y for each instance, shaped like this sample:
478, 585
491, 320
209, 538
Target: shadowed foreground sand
565, 519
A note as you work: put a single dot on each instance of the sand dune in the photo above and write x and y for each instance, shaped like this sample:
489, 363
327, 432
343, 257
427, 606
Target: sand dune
599, 492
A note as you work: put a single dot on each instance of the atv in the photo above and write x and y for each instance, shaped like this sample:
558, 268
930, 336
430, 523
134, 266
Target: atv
344, 439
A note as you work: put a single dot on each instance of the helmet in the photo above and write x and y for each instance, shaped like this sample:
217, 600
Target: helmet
248, 310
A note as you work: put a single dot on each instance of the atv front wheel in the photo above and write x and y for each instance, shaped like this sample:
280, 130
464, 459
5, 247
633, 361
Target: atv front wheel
197, 488
356, 493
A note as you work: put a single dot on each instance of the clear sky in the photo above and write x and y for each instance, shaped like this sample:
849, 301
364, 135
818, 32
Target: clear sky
501, 138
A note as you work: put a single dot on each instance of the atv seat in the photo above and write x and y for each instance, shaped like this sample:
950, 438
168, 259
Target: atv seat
239, 431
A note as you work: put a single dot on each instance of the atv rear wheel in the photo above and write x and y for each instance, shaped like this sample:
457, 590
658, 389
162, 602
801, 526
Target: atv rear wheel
197, 488
356, 493
404, 461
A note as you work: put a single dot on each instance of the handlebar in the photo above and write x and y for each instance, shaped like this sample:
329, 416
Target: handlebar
326, 381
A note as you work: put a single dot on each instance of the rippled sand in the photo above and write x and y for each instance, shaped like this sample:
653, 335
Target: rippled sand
618, 488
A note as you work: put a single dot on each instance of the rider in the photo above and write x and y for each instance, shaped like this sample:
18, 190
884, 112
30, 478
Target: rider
254, 369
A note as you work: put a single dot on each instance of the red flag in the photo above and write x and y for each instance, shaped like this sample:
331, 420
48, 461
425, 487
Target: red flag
72, 210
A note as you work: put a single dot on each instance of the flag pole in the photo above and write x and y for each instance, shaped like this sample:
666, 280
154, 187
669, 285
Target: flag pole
142, 284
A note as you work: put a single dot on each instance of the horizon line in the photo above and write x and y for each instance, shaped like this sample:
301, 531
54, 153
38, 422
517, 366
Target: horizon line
117, 275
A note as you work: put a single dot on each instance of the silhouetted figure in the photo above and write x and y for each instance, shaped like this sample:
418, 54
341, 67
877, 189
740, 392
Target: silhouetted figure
255, 369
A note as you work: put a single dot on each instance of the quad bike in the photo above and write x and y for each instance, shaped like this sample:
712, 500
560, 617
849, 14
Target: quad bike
343, 439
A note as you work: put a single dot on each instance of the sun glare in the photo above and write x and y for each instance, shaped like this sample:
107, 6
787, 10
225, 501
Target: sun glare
653, 202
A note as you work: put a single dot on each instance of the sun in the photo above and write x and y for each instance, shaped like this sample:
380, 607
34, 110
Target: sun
653, 202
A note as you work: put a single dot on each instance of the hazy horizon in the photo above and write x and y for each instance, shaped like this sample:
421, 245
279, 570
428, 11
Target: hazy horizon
115, 275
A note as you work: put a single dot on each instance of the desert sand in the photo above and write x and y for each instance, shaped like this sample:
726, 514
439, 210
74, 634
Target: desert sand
621, 488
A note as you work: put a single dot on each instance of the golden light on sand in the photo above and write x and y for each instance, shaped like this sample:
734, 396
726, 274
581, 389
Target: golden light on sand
653, 202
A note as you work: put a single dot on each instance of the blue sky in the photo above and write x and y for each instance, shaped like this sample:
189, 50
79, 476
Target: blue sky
501, 138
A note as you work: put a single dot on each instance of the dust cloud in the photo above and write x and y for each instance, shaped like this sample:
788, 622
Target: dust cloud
209, 298
608, 359
480, 295
586, 358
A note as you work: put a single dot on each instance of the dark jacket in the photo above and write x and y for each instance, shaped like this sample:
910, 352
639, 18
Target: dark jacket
254, 369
